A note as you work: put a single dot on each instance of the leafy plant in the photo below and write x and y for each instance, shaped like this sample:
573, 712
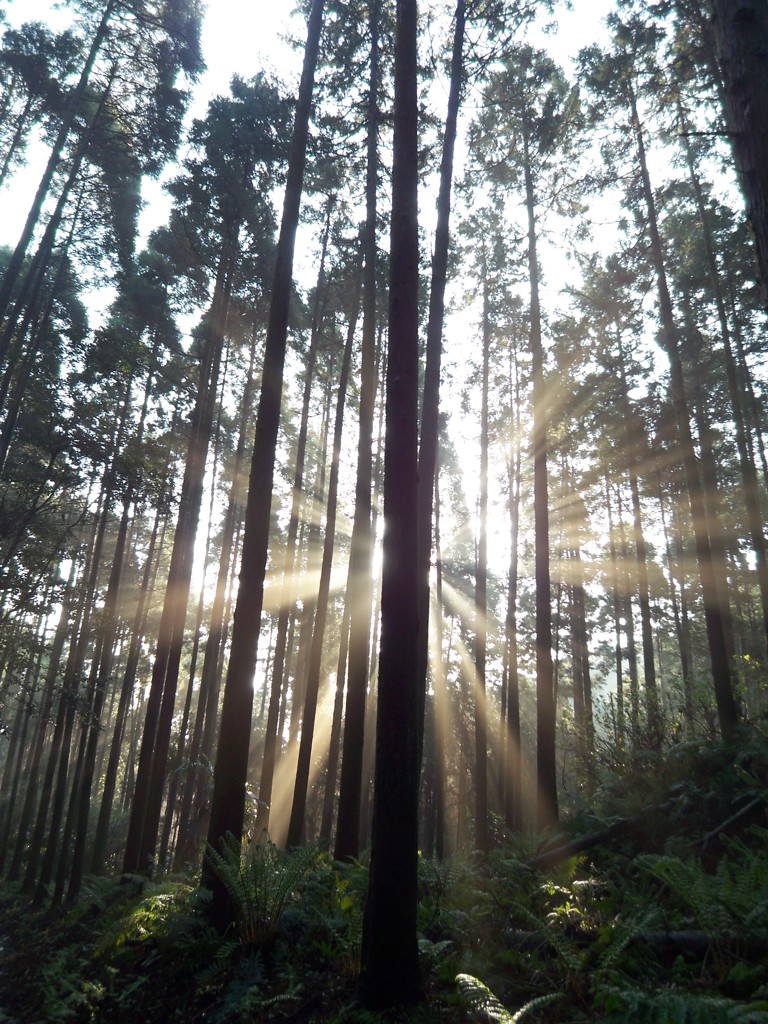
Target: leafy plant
259, 884
619, 1005
729, 905
481, 1000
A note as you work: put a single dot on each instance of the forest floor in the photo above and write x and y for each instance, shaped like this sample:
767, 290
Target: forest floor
660, 917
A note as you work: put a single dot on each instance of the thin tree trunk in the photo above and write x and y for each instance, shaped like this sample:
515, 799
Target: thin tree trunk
54, 160
746, 464
481, 599
430, 407
546, 766
296, 824
360, 580
716, 611
334, 744
208, 700
129, 678
287, 604
150, 777
231, 768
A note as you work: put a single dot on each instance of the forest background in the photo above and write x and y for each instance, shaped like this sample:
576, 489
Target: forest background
595, 535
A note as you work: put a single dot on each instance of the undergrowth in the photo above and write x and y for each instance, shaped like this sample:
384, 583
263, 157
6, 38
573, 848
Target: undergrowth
669, 927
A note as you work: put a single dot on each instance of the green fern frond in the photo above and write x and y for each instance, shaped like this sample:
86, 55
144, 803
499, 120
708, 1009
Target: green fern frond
566, 951
259, 883
623, 935
481, 1000
536, 1004
723, 903
682, 1007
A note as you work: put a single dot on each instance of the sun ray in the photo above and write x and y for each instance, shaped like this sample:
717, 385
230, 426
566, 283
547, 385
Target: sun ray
285, 769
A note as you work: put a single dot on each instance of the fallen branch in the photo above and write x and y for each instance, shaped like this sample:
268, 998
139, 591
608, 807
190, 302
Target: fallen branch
618, 830
735, 819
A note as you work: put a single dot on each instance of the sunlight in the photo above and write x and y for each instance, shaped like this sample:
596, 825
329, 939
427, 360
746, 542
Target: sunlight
285, 769
304, 587
457, 602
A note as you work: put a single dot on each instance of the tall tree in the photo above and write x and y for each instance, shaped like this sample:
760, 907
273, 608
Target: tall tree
616, 74
741, 34
360, 595
231, 765
240, 143
390, 960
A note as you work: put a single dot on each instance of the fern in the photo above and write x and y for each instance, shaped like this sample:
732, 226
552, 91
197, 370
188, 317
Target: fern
623, 935
536, 1004
483, 1003
674, 1006
481, 1000
566, 950
259, 884
729, 904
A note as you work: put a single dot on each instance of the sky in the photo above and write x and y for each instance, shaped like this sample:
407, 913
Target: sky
240, 37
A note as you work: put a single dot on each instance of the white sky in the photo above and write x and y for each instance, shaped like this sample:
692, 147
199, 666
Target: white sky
241, 37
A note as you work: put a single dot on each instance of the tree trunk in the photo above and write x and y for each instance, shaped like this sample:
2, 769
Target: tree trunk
430, 407
151, 772
481, 599
334, 744
390, 958
54, 160
741, 35
546, 765
360, 581
287, 604
296, 825
188, 842
716, 611
746, 464
231, 767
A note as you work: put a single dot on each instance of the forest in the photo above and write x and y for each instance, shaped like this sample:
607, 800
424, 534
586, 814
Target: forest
383, 567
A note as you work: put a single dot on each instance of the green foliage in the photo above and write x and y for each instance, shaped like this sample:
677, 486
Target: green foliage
731, 904
484, 1003
259, 884
672, 1005
589, 939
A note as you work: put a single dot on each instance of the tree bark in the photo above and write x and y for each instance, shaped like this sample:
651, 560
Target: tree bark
390, 959
716, 611
296, 825
741, 36
546, 766
231, 766
287, 604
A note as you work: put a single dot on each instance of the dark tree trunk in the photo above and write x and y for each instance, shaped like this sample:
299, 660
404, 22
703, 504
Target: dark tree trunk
231, 766
741, 35
390, 959
360, 581
546, 765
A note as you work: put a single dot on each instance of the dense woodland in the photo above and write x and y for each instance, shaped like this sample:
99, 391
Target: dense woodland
395, 507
